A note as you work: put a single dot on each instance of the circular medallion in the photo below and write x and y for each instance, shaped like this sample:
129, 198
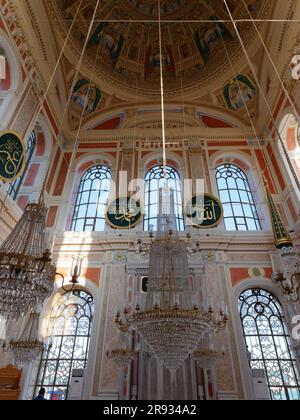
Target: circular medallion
124, 213
12, 156
204, 211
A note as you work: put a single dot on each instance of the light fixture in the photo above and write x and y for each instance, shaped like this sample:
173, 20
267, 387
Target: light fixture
288, 274
206, 356
123, 354
286, 265
28, 347
26, 270
75, 273
170, 324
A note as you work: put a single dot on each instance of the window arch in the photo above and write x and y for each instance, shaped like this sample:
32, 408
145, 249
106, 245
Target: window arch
240, 211
290, 135
92, 200
154, 181
69, 332
15, 186
268, 341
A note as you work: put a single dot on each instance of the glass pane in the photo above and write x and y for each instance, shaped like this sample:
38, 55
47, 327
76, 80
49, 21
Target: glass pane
71, 315
236, 197
92, 199
268, 341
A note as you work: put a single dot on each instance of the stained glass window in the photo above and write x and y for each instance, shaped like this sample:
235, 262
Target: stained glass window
92, 200
155, 180
268, 341
15, 186
240, 212
69, 332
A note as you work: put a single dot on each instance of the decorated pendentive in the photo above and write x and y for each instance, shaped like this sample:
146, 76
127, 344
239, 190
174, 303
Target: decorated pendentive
124, 213
12, 156
238, 92
204, 211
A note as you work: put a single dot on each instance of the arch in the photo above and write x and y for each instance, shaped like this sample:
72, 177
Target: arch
240, 212
92, 199
268, 342
69, 329
8, 96
39, 147
154, 181
289, 128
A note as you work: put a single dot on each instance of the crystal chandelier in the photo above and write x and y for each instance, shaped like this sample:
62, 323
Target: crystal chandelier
29, 347
26, 270
207, 356
170, 324
123, 355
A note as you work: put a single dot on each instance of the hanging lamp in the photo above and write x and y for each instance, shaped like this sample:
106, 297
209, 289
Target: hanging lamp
29, 346
26, 270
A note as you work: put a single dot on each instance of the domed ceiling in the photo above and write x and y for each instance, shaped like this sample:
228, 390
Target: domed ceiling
127, 53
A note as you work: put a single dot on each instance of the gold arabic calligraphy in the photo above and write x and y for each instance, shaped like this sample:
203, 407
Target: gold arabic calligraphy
125, 214
205, 212
10, 157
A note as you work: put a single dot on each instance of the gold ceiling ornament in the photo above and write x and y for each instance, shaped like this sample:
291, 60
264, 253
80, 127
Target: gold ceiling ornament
26, 270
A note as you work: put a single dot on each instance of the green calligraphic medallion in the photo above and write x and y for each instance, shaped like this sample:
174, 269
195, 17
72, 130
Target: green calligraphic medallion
124, 213
12, 156
204, 211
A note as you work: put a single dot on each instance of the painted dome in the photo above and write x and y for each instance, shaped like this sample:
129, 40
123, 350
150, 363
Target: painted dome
127, 53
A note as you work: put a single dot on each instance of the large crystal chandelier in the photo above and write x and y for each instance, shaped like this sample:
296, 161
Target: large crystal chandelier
29, 347
26, 271
170, 324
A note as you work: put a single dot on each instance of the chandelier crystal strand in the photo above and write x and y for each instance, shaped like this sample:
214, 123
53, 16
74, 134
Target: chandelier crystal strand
29, 347
26, 271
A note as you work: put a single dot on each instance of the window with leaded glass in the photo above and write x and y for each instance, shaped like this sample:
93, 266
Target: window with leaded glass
92, 199
15, 186
240, 211
69, 332
155, 181
268, 341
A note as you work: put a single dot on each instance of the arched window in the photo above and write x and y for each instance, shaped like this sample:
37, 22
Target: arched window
15, 186
155, 180
69, 332
268, 342
290, 132
92, 200
235, 193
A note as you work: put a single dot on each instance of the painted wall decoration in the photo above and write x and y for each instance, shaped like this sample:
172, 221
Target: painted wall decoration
204, 211
238, 92
111, 38
152, 61
210, 37
81, 90
124, 213
5, 83
12, 156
